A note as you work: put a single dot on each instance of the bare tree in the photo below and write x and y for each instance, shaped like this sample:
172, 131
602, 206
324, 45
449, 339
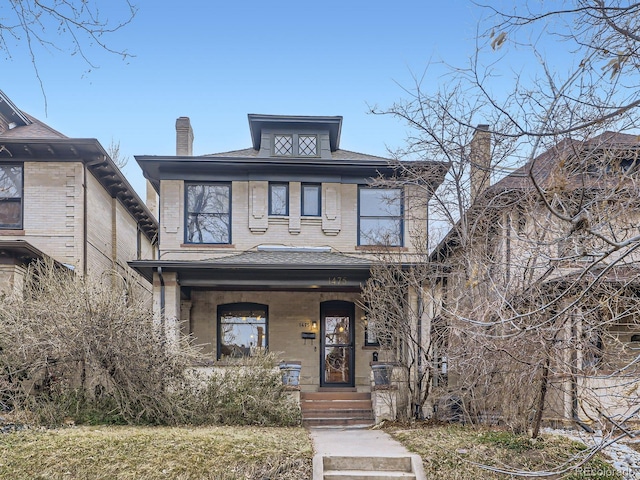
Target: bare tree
71, 26
116, 155
535, 282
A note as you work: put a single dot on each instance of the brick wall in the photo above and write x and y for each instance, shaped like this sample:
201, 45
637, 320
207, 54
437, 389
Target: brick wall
339, 231
286, 311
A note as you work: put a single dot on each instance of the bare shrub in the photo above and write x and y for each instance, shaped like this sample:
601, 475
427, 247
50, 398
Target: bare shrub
250, 392
88, 349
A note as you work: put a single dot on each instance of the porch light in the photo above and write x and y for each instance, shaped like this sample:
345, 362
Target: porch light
314, 325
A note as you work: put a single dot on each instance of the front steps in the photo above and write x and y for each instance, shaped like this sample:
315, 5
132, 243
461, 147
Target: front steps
333, 408
408, 467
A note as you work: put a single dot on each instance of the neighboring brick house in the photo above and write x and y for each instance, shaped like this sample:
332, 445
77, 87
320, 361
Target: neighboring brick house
529, 268
64, 198
268, 247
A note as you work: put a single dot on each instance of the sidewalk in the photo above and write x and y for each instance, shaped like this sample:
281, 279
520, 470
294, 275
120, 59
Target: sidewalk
356, 442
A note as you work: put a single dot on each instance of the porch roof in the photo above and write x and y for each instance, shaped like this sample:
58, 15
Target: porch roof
266, 270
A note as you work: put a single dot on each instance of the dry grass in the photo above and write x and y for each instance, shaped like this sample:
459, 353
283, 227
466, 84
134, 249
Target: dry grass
125, 453
452, 452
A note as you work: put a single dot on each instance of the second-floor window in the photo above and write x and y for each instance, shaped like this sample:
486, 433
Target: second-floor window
380, 216
278, 199
311, 200
11, 196
208, 213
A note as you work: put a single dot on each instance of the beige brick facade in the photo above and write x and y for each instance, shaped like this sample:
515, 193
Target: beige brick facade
54, 220
299, 290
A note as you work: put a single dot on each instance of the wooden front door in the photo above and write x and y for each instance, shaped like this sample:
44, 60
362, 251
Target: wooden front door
337, 344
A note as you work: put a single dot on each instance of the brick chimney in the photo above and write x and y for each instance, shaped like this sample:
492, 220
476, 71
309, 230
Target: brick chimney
184, 137
480, 156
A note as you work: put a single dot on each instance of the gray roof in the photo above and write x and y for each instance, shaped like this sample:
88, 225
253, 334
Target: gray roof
35, 129
289, 258
335, 155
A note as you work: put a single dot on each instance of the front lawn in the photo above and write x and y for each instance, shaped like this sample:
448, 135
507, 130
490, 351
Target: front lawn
455, 452
123, 453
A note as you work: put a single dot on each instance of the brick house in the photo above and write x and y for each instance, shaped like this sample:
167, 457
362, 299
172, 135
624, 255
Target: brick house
64, 198
268, 247
572, 276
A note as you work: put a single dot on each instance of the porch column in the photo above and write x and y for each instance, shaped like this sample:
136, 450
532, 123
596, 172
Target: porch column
166, 305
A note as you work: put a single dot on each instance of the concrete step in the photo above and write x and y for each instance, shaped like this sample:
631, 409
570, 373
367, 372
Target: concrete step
338, 412
366, 475
401, 464
335, 404
338, 422
335, 395
330, 467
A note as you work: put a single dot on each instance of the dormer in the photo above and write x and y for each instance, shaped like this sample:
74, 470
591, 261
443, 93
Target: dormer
296, 137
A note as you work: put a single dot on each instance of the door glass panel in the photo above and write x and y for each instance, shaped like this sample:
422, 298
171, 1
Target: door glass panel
337, 349
337, 331
337, 361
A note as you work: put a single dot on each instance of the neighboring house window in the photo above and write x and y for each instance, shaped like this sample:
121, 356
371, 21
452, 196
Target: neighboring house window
283, 145
307, 145
370, 337
242, 330
11, 177
278, 199
380, 216
311, 200
208, 215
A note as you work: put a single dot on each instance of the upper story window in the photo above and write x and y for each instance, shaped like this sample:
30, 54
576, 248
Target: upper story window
380, 216
11, 179
278, 199
295, 145
208, 213
311, 200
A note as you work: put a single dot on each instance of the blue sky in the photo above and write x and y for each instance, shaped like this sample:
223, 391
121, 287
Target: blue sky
218, 61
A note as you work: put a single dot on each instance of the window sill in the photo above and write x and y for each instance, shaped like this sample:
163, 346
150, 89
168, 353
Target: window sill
9, 231
380, 248
371, 347
207, 246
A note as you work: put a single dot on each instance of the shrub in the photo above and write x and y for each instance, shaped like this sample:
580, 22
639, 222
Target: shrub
249, 392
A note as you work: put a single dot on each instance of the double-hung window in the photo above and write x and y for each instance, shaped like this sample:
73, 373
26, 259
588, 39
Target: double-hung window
11, 180
380, 216
208, 213
311, 200
278, 199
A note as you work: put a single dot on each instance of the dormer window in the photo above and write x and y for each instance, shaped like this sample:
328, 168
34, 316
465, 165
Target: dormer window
283, 145
307, 145
295, 145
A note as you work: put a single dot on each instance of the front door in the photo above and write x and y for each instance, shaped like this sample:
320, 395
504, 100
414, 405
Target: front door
337, 352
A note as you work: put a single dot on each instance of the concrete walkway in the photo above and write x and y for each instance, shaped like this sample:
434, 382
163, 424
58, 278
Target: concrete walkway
355, 442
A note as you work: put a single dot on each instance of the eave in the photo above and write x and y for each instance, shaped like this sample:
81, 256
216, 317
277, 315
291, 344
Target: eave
259, 277
206, 168
24, 252
92, 154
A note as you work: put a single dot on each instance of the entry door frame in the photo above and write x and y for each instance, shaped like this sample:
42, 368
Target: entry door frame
342, 308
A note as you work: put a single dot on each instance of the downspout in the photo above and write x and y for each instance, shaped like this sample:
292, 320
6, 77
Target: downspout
162, 302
